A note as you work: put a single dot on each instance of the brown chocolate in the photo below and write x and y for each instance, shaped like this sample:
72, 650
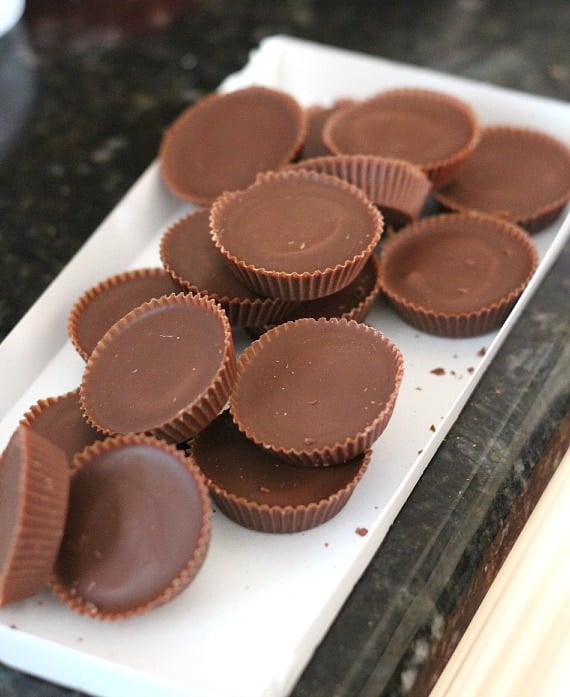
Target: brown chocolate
397, 187
296, 234
166, 367
317, 392
428, 128
102, 305
261, 491
34, 484
137, 528
352, 302
60, 420
188, 253
223, 141
313, 145
517, 174
456, 274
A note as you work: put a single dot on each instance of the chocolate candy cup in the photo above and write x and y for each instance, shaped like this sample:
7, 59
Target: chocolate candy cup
104, 304
398, 188
430, 129
317, 392
517, 174
296, 235
60, 420
317, 115
188, 253
34, 484
167, 367
137, 530
351, 302
261, 492
456, 274
223, 141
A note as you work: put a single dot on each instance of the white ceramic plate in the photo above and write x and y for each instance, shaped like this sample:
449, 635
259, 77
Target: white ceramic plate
249, 623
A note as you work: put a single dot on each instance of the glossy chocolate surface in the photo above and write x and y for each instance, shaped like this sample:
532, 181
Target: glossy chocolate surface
135, 516
459, 265
241, 468
223, 141
103, 306
299, 222
161, 360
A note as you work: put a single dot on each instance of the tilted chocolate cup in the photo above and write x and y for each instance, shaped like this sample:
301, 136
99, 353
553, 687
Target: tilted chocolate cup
317, 392
137, 530
265, 493
34, 485
96, 310
60, 420
456, 274
165, 368
188, 253
431, 129
221, 142
296, 235
518, 174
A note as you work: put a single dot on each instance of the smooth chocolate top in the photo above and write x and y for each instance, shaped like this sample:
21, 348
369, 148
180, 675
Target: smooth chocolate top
153, 366
187, 249
456, 264
311, 384
106, 303
60, 420
235, 464
223, 141
135, 516
419, 126
297, 222
513, 173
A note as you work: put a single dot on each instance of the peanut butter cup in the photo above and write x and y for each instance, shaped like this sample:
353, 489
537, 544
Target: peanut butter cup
260, 491
296, 235
188, 253
137, 529
518, 174
317, 115
102, 305
298, 395
456, 274
428, 128
60, 420
34, 484
399, 188
221, 142
167, 367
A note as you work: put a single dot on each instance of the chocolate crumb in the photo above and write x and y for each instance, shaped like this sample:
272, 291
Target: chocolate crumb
432, 428
13, 626
482, 351
361, 531
420, 451
471, 369
438, 371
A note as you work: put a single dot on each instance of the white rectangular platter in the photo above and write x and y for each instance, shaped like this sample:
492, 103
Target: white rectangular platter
249, 623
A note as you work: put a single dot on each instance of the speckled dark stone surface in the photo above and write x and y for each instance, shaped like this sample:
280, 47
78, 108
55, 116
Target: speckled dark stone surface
86, 90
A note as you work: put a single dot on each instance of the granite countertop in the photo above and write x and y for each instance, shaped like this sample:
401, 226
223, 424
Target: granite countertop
86, 89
